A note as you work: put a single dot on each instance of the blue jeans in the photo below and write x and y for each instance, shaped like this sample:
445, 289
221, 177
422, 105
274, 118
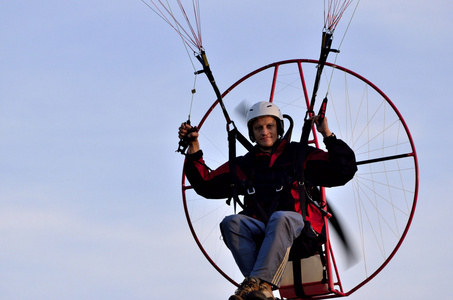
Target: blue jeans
261, 250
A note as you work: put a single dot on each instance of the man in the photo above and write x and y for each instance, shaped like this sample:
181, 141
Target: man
260, 237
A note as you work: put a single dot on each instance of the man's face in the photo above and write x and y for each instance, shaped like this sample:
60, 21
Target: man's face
265, 132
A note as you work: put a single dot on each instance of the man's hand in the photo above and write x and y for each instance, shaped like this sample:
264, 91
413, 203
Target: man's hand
323, 127
190, 134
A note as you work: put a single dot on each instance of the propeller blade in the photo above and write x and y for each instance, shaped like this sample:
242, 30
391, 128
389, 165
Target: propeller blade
242, 108
342, 232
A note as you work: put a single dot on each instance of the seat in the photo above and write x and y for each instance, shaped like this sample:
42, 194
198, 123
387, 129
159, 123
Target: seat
312, 273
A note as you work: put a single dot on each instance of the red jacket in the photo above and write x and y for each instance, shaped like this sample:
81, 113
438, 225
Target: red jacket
268, 180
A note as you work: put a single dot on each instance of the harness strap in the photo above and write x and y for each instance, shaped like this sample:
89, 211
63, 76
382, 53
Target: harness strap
300, 166
232, 134
252, 195
304, 199
264, 216
242, 139
251, 191
297, 273
297, 276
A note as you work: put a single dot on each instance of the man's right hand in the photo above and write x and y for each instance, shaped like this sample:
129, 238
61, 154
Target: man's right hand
186, 131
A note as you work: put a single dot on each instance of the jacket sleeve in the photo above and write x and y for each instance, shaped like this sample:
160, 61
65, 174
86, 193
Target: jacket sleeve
333, 168
207, 183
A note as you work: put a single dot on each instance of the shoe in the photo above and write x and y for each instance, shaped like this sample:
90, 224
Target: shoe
264, 292
249, 285
256, 295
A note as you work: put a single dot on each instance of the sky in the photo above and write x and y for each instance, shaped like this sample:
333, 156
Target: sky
92, 94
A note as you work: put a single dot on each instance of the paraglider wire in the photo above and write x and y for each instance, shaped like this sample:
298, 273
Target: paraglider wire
207, 70
325, 50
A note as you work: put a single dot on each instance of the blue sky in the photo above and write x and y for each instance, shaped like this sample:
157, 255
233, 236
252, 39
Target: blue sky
92, 93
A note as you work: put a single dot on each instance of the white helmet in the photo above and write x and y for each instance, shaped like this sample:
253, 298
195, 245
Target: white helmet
262, 109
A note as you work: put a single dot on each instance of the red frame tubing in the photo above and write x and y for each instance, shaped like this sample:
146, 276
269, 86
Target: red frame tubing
330, 257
